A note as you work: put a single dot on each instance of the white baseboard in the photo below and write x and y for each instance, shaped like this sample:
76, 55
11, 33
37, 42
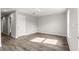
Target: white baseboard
25, 34
52, 34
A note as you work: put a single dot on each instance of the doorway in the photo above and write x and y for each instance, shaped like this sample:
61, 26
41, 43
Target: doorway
6, 23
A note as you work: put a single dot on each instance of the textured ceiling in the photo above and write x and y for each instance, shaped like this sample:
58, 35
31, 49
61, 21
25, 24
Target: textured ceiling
36, 11
41, 11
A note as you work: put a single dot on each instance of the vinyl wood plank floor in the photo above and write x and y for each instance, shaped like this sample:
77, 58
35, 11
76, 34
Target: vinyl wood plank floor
35, 42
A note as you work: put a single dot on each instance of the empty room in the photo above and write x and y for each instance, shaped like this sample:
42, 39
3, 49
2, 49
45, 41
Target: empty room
38, 29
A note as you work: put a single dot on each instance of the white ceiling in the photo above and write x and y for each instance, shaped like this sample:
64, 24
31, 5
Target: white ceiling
38, 11
41, 11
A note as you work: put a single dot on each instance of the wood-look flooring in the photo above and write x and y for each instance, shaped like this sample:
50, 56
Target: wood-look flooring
34, 42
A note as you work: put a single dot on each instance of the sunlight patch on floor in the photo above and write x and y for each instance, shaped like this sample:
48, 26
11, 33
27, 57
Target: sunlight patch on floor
50, 41
38, 39
44, 40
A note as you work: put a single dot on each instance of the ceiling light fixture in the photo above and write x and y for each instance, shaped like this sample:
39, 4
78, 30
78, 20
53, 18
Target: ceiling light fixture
35, 11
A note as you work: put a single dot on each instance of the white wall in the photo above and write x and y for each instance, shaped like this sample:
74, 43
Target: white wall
78, 22
25, 24
53, 24
13, 24
72, 33
78, 28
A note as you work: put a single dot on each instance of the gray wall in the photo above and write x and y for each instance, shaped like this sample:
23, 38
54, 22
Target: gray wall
5, 30
72, 30
5, 24
0, 28
53, 24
